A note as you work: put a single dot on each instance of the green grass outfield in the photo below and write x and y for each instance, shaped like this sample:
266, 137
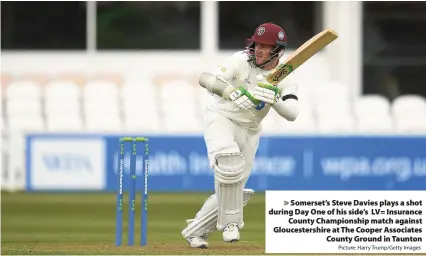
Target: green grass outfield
45, 223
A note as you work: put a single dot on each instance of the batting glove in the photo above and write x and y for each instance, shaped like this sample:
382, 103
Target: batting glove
243, 98
266, 92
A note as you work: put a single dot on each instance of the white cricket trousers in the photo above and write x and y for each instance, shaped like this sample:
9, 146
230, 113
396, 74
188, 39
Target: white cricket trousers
224, 136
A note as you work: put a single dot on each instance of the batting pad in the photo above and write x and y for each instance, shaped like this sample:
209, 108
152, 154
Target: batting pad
229, 185
230, 205
202, 222
205, 221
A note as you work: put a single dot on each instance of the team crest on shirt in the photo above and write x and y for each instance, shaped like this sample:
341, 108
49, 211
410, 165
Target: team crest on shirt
261, 31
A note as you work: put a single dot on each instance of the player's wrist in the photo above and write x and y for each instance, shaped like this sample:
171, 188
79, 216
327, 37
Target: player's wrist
227, 92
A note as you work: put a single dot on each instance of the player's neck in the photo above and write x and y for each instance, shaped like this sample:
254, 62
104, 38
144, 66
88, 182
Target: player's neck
271, 65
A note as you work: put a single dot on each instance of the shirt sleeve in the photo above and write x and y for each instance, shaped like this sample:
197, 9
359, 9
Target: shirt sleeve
288, 87
287, 105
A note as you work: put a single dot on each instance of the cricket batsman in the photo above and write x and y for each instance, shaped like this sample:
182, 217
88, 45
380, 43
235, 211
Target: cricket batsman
240, 99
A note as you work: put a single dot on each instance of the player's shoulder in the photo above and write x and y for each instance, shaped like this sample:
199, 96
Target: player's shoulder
242, 55
240, 58
288, 82
237, 61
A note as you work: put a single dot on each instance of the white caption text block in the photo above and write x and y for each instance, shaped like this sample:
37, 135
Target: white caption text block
345, 222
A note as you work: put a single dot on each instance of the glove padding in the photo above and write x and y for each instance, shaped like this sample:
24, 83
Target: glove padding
243, 98
266, 92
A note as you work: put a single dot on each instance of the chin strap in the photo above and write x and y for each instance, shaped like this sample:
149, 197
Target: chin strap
264, 63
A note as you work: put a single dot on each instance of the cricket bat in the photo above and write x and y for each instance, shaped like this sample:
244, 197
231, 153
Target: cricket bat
302, 54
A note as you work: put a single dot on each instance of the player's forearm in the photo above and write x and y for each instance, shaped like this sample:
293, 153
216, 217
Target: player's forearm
287, 107
216, 85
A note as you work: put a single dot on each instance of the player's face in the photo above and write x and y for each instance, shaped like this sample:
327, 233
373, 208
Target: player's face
262, 52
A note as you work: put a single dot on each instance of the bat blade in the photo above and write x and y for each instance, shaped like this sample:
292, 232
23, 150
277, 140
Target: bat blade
301, 55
